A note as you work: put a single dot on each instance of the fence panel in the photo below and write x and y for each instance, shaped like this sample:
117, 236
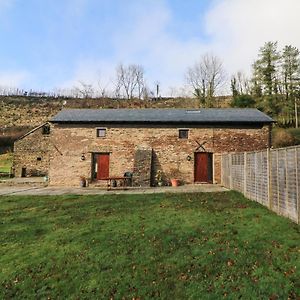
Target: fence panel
271, 178
225, 170
274, 181
237, 172
250, 175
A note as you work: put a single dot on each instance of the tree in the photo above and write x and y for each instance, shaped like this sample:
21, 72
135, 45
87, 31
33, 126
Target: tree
290, 66
266, 68
243, 101
240, 84
130, 81
206, 77
85, 90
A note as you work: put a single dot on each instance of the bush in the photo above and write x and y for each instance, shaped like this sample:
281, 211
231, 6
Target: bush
243, 101
282, 138
296, 134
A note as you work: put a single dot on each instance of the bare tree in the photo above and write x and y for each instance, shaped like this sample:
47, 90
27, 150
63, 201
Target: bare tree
206, 77
85, 90
240, 84
130, 81
102, 87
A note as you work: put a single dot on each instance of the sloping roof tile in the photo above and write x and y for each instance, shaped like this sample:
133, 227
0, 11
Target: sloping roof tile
212, 115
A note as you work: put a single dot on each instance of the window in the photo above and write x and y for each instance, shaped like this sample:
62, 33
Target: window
39, 159
101, 132
183, 133
46, 129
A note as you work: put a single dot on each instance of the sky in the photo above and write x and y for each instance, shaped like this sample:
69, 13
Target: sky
48, 44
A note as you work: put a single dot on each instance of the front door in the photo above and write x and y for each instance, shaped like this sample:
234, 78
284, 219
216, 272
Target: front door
102, 166
203, 167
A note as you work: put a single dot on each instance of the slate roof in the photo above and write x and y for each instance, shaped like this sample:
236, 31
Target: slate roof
166, 116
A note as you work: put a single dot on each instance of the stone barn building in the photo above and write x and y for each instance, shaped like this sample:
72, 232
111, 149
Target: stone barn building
181, 143
32, 153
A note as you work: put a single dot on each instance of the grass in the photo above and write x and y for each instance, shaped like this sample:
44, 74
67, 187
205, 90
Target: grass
196, 246
5, 162
296, 133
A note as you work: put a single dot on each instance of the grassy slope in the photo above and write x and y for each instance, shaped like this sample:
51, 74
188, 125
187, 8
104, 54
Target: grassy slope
169, 246
296, 133
5, 162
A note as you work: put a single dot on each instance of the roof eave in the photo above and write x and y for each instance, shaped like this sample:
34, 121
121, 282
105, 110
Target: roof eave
162, 122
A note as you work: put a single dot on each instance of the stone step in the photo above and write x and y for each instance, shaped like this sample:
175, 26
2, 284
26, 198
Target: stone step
30, 181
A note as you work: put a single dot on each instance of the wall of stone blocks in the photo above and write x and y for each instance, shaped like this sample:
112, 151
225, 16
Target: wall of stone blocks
32, 152
71, 142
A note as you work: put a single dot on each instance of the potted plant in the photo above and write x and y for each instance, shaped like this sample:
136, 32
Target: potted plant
82, 181
159, 178
174, 177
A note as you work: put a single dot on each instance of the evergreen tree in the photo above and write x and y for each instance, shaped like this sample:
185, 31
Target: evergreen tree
266, 68
290, 70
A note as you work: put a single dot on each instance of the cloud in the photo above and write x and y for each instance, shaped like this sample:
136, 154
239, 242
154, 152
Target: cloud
232, 29
238, 28
96, 72
14, 78
144, 38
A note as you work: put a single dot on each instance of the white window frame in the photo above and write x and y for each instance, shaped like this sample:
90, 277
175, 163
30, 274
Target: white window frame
101, 128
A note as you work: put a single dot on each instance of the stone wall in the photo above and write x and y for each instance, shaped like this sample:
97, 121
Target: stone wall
72, 142
142, 167
32, 153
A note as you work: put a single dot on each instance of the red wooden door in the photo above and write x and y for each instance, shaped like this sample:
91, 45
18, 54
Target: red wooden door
103, 166
203, 167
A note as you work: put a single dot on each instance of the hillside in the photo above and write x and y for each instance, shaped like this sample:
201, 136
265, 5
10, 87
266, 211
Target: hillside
28, 112
19, 114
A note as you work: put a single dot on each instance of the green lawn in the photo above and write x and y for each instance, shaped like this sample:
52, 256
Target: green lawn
5, 162
190, 246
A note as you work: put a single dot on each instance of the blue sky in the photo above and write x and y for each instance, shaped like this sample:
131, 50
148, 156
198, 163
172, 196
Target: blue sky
47, 44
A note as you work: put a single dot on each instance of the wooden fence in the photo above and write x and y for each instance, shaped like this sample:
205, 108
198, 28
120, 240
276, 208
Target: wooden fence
270, 177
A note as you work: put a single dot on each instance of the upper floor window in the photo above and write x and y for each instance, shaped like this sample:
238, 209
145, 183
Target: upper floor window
101, 132
183, 133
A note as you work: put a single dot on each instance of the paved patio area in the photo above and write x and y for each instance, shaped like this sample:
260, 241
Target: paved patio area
27, 190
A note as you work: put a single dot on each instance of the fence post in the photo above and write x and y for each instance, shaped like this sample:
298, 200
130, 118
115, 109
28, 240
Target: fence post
269, 178
277, 176
222, 170
255, 176
286, 198
230, 168
245, 174
297, 183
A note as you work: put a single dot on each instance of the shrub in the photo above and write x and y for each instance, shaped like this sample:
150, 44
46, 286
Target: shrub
282, 138
296, 133
242, 101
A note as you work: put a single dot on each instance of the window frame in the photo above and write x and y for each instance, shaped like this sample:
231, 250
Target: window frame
98, 129
46, 129
186, 131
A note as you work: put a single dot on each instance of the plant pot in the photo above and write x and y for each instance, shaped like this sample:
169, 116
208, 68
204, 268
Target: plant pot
82, 183
174, 182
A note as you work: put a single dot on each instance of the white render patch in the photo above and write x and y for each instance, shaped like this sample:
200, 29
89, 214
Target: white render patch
193, 111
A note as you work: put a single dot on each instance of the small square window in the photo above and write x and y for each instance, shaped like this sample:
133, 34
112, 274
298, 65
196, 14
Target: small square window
183, 133
39, 159
46, 130
101, 132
